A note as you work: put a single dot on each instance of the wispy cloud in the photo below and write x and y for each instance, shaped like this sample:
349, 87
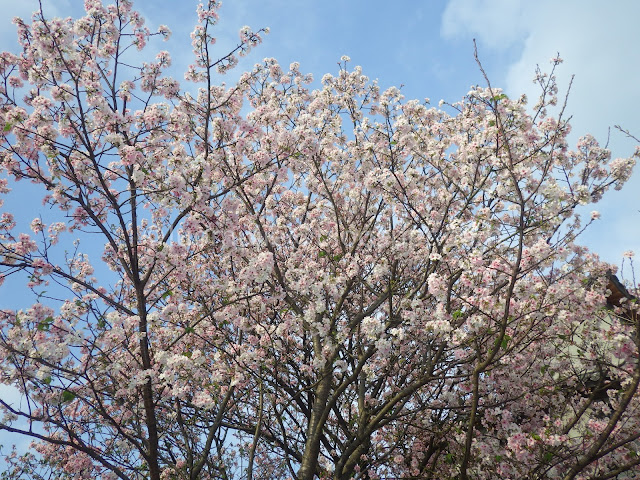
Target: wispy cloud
598, 41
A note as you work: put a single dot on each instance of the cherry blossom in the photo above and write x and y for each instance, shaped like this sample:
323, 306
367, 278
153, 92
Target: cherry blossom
299, 280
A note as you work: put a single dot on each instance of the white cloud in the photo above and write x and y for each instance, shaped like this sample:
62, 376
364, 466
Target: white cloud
497, 23
598, 41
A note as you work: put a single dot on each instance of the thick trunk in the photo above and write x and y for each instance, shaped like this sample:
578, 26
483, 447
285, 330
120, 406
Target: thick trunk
147, 398
314, 430
152, 430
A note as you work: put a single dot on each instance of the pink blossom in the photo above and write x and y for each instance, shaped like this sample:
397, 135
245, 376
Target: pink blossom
259, 277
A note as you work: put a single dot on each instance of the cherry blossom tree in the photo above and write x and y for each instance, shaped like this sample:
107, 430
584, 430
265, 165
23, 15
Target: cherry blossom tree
297, 283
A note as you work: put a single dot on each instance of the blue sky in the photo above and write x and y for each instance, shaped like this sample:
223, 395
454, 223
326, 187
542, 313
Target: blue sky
426, 46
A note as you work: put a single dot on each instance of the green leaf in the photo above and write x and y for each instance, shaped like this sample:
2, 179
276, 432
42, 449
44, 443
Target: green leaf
535, 436
322, 253
394, 142
102, 322
548, 457
497, 98
166, 294
337, 257
46, 381
44, 325
187, 354
67, 396
7, 127
505, 341
498, 458
492, 123
189, 330
457, 314
449, 458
